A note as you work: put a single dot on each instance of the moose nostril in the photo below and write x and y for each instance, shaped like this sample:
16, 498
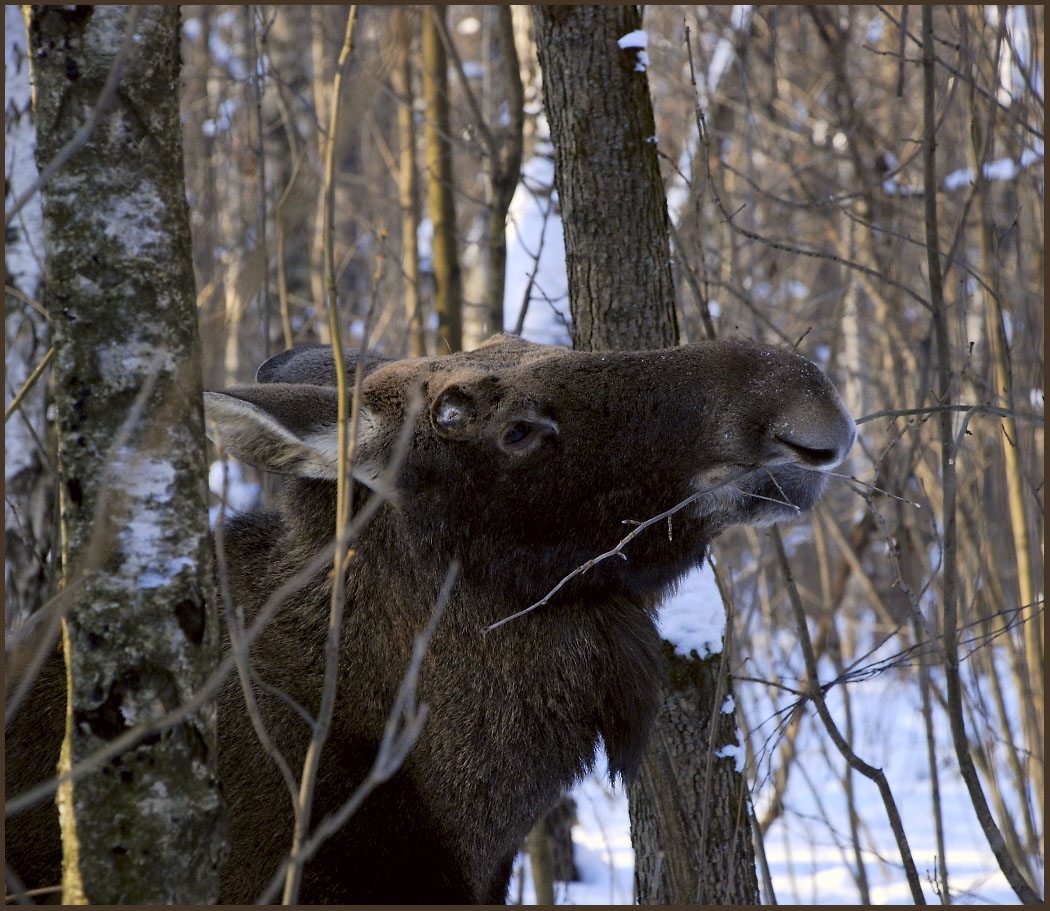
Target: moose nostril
820, 446
818, 458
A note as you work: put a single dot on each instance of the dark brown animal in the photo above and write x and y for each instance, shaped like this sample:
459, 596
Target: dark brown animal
524, 462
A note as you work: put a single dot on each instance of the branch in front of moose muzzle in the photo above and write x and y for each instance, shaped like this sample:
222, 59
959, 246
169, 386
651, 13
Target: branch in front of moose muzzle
403, 726
617, 551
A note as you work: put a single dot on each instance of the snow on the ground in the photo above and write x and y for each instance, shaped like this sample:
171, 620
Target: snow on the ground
807, 849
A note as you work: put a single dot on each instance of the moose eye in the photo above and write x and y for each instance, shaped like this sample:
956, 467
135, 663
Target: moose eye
516, 433
524, 436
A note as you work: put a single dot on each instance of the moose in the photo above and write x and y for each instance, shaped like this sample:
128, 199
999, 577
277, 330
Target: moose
519, 463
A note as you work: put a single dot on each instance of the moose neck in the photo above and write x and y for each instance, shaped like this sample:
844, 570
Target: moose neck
515, 714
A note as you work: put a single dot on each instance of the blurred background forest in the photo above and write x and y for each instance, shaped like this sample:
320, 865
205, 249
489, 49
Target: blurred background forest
798, 218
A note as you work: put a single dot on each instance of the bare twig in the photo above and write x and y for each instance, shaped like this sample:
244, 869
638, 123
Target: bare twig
961, 76
235, 626
775, 244
939, 409
457, 64
344, 482
18, 888
949, 589
94, 552
256, 89
282, 282
617, 551
816, 694
135, 735
29, 383
766, 881
519, 325
306, 574
26, 299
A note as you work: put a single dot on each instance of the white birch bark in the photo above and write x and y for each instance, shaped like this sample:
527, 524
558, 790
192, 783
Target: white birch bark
142, 633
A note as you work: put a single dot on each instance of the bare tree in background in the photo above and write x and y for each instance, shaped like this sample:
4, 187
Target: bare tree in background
139, 629
29, 487
408, 177
688, 807
448, 299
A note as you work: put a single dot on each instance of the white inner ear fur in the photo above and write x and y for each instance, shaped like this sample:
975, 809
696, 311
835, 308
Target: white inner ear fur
252, 435
325, 444
235, 424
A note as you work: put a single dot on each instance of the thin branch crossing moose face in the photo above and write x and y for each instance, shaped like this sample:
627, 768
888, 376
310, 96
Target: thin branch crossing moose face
520, 462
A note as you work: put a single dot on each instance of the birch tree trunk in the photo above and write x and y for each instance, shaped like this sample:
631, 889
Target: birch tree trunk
142, 632
688, 807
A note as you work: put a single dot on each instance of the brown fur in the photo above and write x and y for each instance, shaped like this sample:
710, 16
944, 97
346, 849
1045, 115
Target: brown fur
524, 462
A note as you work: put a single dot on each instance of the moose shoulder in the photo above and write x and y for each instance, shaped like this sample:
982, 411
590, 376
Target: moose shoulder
521, 462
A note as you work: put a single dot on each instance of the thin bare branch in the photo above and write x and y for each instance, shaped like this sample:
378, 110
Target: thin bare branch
617, 551
855, 762
29, 383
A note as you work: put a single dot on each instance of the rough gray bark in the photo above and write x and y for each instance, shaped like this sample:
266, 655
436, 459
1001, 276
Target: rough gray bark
142, 633
688, 807
608, 178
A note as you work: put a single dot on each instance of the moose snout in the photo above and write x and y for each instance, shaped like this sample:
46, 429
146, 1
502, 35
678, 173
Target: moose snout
818, 440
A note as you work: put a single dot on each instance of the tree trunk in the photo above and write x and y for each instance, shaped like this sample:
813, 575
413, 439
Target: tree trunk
608, 178
407, 179
504, 166
142, 633
688, 807
448, 296
541, 859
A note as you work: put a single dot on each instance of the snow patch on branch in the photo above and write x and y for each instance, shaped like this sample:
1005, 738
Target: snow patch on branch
734, 750
637, 40
693, 618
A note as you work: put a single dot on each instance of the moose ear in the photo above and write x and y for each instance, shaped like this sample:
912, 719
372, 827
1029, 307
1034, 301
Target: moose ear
314, 365
282, 428
291, 429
